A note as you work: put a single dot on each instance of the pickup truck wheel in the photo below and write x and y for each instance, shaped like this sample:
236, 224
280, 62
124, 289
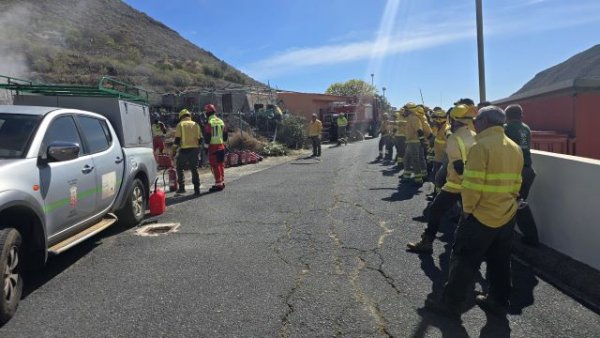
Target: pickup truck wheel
135, 208
10, 269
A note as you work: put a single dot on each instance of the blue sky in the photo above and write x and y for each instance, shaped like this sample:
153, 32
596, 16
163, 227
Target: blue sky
410, 45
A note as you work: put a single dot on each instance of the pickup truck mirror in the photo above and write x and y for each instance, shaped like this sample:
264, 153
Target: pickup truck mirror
62, 151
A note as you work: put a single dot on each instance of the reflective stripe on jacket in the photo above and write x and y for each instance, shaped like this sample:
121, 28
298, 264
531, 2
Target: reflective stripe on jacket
216, 130
399, 127
457, 148
492, 178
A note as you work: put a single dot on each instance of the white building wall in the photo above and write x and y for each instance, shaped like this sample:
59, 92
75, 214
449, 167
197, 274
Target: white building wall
565, 201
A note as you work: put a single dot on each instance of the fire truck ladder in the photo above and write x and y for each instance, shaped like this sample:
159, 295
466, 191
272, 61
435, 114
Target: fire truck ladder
107, 87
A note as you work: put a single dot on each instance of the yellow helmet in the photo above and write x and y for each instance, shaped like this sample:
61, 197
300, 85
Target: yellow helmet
439, 113
411, 107
397, 114
420, 110
183, 113
462, 112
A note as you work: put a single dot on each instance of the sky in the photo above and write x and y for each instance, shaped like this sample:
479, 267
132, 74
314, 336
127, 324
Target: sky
411, 46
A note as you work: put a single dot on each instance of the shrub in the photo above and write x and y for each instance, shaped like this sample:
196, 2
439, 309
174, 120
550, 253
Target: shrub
274, 149
246, 142
292, 131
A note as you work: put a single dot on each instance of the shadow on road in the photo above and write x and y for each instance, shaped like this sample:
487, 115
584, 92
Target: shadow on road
524, 282
55, 265
395, 170
172, 200
449, 328
405, 192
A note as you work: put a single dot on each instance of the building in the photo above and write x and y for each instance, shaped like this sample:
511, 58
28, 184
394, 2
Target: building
359, 110
564, 117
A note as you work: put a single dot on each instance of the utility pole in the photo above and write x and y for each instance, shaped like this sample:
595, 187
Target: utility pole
383, 89
480, 50
372, 75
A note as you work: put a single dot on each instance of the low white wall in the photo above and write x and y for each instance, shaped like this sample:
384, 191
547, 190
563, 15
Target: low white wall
565, 201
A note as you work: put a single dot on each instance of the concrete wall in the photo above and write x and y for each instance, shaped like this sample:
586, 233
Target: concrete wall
565, 200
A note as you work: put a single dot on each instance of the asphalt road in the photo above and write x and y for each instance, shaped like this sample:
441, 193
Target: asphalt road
304, 249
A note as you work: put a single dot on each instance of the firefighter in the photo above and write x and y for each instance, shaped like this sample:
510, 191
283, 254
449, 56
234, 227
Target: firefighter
399, 137
492, 180
414, 156
428, 135
188, 138
383, 140
457, 148
216, 134
315, 128
440, 129
158, 134
342, 124
520, 133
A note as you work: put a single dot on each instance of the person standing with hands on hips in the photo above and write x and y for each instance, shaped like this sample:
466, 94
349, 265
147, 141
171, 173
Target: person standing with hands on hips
216, 135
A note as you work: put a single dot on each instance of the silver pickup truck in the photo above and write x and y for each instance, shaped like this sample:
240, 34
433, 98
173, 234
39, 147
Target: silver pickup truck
65, 175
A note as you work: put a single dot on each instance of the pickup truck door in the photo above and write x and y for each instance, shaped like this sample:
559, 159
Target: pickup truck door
68, 187
108, 158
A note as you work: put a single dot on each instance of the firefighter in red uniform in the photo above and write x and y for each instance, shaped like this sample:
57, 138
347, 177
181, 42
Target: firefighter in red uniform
216, 134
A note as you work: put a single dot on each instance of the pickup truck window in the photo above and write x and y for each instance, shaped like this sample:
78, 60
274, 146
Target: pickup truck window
94, 134
62, 129
16, 132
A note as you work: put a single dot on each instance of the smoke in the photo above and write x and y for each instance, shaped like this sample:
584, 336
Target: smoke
13, 19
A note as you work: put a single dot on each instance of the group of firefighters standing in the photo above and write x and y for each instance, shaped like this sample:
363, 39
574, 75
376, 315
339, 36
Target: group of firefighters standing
478, 158
190, 140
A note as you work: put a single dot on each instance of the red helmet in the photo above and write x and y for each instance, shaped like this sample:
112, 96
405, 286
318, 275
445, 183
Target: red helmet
210, 108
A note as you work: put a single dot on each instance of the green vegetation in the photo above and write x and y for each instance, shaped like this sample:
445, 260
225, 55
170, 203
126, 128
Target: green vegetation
70, 42
292, 131
274, 149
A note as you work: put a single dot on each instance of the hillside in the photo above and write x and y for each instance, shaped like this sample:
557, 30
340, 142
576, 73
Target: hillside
77, 41
585, 65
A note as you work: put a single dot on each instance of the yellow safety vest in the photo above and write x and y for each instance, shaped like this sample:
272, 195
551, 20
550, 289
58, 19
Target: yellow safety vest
216, 130
188, 133
156, 130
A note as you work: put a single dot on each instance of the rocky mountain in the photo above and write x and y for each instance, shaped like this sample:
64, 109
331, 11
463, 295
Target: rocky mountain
77, 41
585, 65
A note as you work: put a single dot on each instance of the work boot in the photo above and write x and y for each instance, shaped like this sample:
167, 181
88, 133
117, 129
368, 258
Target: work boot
181, 190
425, 245
442, 308
405, 179
490, 306
379, 157
197, 191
